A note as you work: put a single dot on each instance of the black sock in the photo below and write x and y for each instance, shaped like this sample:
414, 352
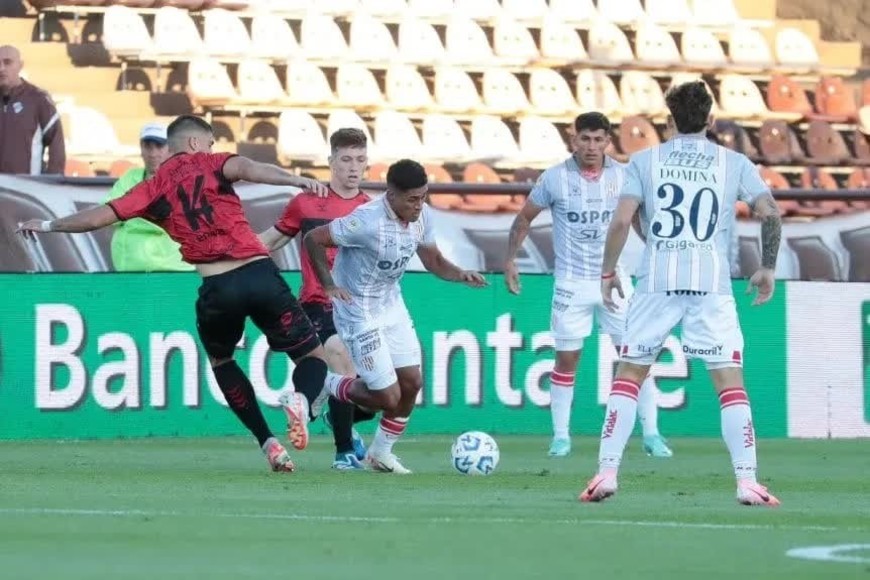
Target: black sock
360, 415
309, 376
341, 417
239, 393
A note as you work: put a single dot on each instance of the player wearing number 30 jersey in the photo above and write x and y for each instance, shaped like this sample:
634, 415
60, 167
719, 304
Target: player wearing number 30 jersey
685, 191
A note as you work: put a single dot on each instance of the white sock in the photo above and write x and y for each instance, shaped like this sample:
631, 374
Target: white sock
561, 398
738, 432
338, 385
618, 423
388, 432
648, 408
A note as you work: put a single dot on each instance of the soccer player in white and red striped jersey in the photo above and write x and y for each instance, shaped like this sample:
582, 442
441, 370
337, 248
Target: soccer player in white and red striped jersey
685, 191
581, 193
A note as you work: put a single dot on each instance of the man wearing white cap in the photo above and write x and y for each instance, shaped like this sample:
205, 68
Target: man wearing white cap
137, 244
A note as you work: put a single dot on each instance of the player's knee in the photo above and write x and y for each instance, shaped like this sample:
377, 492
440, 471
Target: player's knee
411, 383
390, 397
567, 360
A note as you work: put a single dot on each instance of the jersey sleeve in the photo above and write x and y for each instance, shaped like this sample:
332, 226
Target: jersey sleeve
541, 195
750, 184
349, 231
217, 160
427, 222
632, 187
135, 203
290, 221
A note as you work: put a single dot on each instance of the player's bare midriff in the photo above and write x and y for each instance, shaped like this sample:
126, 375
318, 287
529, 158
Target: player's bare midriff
224, 266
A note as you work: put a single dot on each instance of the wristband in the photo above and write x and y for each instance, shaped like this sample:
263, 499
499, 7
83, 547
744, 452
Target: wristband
46, 226
608, 276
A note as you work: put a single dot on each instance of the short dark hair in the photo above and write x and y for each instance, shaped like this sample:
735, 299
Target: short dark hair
689, 104
185, 123
348, 137
406, 174
593, 121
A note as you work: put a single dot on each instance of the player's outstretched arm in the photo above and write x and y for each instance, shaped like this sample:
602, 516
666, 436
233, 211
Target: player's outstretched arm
240, 168
519, 231
435, 262
765, 209
273, 239
84, 221
316, 241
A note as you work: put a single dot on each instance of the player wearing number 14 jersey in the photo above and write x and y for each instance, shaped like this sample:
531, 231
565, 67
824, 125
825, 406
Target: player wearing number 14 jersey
685, 191
191, 196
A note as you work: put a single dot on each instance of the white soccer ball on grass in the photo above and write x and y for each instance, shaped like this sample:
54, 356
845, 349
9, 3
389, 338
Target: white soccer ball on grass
474, 453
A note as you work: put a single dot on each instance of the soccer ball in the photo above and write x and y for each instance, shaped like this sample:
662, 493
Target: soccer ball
474, 453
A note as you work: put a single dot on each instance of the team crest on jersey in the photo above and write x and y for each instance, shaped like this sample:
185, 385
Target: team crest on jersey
368, 363
353, 223
611, 190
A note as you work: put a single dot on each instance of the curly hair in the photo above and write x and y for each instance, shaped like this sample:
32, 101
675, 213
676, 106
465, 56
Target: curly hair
689, 104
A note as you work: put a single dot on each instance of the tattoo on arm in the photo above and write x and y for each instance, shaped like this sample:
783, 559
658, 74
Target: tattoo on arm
771, 232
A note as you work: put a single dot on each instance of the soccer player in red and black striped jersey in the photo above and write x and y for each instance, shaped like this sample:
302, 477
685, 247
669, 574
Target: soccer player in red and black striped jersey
191, 196
306, 211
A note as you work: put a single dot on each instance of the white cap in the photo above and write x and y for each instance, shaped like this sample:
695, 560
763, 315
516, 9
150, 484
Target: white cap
153, 132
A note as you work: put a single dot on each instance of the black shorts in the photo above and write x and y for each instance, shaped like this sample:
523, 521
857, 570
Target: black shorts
320, 315
256, 290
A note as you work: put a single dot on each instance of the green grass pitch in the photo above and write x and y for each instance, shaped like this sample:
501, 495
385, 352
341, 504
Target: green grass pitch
209, 508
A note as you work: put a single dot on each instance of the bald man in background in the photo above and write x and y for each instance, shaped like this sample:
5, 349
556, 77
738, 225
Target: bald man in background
29, 123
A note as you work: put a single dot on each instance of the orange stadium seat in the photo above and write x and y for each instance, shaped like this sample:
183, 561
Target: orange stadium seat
444, 140
835, 102
526, 175
480, 173
560, 42
78, 168
859, 179
733, 136
776, 181
778, 143
377, 172
636, 133
814, 178
825, 145
861, 147
573, 11
795, 49
120, 167
437, 174
654, 45
785, 96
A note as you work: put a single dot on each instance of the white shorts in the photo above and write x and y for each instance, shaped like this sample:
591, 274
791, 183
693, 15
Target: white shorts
710, 329
379, 347
575, 302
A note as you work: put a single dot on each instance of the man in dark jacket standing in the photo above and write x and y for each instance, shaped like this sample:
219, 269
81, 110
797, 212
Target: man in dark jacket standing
29, 122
